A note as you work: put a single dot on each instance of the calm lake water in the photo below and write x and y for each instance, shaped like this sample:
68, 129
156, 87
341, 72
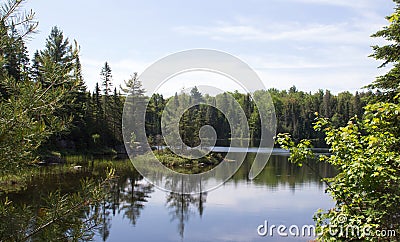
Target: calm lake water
283, 194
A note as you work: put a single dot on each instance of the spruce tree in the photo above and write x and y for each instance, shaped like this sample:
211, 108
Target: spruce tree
106, 78
388, 85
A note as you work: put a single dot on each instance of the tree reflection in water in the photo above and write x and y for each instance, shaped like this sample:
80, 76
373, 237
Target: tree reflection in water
135, 196
127, 196
179, 206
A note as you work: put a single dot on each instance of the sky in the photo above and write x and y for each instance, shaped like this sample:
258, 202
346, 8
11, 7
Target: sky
312, 44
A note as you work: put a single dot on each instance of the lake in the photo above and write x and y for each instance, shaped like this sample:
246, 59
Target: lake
283, 194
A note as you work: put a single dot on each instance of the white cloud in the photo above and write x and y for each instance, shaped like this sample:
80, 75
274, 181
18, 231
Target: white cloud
357, 32
310, 55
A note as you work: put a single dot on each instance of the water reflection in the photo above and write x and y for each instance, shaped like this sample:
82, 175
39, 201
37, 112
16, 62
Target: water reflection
179, 206
135, 209
280, 172
127, 198
278, 175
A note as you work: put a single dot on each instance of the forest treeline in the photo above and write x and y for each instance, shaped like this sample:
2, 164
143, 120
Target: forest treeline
95, 115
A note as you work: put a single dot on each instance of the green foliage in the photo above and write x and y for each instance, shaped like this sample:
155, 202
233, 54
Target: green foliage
366, 154
298, 153
14, 25
28, 109
106, 77
62, 217
59, 62
27, 120
387, 86
33, 106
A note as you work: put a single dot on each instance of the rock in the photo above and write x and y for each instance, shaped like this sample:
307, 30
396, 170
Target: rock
77, 168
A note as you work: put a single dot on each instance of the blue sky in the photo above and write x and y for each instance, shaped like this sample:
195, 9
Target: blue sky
312, 44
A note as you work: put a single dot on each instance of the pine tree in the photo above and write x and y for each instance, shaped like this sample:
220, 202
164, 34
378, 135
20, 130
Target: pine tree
98, 112
79, 108
197, 97
16, 57
356, 105
106, 78
388, 85
58, 47
58, 56
36, 67
134, 108
14, 62
58, 65
29, 117
117, 118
